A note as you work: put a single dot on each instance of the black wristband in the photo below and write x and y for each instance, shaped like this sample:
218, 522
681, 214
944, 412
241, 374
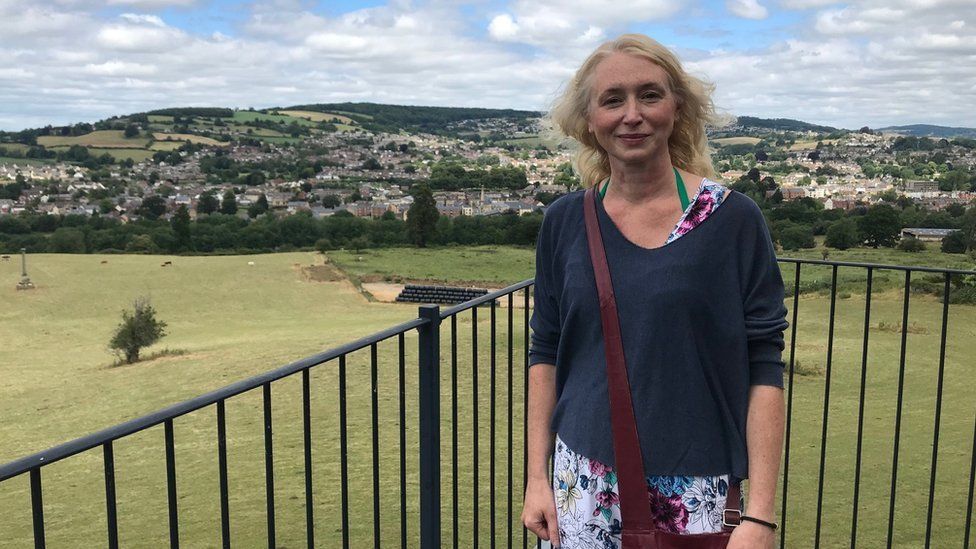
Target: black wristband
747, 518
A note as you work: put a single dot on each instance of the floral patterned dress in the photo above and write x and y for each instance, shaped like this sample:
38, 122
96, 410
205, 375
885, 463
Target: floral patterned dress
587, 502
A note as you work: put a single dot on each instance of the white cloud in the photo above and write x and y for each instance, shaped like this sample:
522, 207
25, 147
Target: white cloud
863, 62
502, 27
146, 19
134, 38
152, 4
807, 4
551, 23
120, 68
748, 9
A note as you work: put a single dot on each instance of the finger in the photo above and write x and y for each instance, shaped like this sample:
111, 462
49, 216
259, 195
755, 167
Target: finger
537, 527
553, 524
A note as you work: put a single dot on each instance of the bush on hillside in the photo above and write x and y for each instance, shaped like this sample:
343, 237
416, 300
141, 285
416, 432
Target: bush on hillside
911, 244
138, 329
794, 237
954, 243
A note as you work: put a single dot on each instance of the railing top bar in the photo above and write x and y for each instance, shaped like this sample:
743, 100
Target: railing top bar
68, 449
486, 298
878, 266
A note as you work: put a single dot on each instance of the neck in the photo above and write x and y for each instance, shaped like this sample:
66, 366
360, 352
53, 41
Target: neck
643, 182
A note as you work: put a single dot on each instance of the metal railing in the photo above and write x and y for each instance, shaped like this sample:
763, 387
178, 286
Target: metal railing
806, 453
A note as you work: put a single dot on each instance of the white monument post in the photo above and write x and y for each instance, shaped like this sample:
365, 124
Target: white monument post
25, 281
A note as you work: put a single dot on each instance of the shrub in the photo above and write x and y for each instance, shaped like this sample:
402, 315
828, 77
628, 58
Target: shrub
955, 243
801, 369
911, 244
138, 329
794, 237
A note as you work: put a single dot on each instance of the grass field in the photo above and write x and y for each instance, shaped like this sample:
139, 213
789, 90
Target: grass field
161, 136
810, 145
533, 142
364, 116
160, 118
318, 116
723, 141
165, 145
285, 139
137, 155
234, 320
249, 116
20, 147
100, 138
487, 265
26, 161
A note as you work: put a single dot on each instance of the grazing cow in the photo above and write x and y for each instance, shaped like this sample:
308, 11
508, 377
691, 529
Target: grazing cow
104, 261
251, 263
6, 258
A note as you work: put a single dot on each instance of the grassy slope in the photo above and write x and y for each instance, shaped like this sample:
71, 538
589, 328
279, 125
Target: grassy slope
100, 138
256, 317
318, 116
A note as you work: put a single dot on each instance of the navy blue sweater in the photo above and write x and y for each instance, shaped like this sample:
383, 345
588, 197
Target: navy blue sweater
702, 320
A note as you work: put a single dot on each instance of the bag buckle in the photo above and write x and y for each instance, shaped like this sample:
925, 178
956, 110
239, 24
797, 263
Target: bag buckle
725, 518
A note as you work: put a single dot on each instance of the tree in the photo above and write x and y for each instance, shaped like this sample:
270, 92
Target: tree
259, 207
842, 234
228, 205
67, 241
181, 227
131, 131
794, 237
152, 207
331, 201
138, 329
954, 243
422, 215
880, 226
208, 203
955, 209
968, 228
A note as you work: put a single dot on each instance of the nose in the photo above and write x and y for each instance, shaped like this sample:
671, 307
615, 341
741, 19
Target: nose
631, 112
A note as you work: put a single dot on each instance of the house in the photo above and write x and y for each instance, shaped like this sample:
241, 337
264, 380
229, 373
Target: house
839, 204
926, 235
922, 186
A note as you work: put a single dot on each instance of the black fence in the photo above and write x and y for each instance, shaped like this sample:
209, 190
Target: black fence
390, 446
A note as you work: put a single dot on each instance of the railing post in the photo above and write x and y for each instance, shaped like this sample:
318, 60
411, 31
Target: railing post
430, 435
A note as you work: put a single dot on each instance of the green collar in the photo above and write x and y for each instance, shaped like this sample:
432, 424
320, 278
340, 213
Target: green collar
682, 193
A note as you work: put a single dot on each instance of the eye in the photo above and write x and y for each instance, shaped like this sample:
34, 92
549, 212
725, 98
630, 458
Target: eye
650, 96
612, 100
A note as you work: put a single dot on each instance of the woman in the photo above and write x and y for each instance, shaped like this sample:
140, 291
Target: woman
700, 302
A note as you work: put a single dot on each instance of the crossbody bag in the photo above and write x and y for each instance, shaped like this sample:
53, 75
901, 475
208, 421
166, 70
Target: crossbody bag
637, 526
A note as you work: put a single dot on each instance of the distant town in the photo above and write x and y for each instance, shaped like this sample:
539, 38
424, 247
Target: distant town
363, 161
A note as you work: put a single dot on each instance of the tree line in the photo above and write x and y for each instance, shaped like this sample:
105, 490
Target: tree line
219, 233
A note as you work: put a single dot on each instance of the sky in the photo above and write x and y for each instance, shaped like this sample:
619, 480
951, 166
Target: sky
845, 64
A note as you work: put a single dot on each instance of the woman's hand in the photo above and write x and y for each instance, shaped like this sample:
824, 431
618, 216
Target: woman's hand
539, 511
749, 535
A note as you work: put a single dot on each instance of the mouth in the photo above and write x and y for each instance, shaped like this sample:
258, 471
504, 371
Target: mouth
632, 137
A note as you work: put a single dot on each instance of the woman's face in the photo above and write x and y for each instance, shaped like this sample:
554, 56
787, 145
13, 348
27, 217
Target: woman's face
632, 109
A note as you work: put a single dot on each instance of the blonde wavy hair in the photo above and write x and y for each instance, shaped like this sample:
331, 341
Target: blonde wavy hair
688, 143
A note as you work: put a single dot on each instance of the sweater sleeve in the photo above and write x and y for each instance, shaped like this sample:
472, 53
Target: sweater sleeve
762, 294
545, 315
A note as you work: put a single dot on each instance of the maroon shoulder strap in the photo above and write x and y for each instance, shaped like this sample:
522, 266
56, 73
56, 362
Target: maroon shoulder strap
635, 510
